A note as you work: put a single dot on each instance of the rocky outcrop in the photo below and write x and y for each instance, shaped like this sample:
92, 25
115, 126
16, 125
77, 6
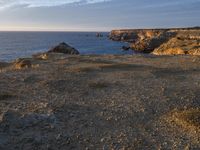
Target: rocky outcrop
125, 48
22, 63
99, 35
185, 42
64, 48
161, 41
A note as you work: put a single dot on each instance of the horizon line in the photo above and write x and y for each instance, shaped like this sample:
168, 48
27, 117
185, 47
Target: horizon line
51, 31
63, 30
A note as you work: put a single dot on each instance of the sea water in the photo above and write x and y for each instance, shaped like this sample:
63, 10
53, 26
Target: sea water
23, 44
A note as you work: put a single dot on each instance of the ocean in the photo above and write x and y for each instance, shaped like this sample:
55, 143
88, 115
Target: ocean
23, 44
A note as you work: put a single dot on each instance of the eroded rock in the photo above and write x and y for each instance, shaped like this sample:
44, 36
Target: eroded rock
125, 48
22, 63
64, 48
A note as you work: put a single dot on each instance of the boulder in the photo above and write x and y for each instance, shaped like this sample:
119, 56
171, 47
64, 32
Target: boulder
64, 48
22, 63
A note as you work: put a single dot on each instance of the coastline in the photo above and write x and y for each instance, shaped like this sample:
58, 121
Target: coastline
99, 75
97, 101
169, 41
16, 45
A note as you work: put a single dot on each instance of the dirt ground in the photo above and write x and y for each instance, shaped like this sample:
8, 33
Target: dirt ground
62, 102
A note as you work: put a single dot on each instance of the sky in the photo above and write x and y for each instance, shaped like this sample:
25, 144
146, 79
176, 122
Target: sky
96, 15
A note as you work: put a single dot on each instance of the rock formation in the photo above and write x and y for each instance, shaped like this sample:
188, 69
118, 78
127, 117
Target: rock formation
99, 35
22, 63
125, 48
161, 41
64, 48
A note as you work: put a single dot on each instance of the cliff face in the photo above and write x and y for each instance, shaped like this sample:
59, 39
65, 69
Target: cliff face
161, 41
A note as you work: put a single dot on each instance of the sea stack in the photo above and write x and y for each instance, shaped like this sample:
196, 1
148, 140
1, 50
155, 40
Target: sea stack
65, 49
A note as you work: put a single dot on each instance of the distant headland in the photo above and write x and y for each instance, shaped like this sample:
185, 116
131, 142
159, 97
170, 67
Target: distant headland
169, 41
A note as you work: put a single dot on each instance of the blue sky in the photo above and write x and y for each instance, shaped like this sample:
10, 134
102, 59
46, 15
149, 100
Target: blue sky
97, 15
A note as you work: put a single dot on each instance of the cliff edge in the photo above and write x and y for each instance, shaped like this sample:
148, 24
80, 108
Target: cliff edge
161, 41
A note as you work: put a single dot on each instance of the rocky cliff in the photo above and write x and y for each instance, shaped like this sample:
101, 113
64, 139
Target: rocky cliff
161, 41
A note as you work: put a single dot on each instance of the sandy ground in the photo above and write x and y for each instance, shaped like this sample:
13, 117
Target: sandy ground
101, 102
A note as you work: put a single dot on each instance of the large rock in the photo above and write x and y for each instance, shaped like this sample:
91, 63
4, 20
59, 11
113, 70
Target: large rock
22, 63
65, 49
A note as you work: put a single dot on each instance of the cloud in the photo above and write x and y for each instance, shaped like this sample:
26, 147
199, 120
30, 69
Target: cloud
44, 3
171, 3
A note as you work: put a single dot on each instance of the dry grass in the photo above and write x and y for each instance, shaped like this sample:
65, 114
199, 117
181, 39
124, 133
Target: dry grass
4, 64
98, 85
86, 67
187, 119
121, 66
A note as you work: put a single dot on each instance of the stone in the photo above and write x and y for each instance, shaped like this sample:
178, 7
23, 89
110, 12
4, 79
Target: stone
22, 63
125, 48
64, 48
